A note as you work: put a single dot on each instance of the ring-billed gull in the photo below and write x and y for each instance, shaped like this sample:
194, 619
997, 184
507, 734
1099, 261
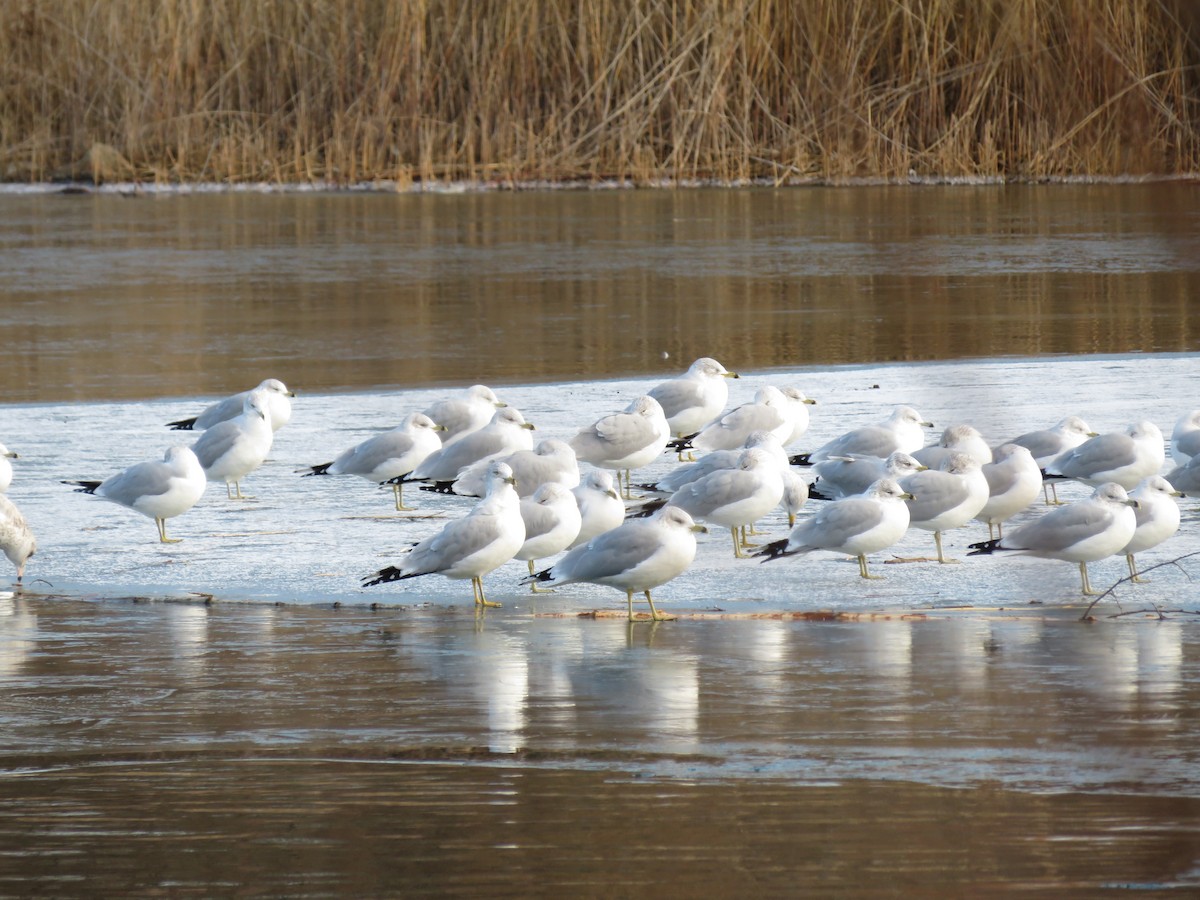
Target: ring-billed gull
600, 506
1081, 532
468, 412
688, 472
795, 494
797, 407
469, 547
856, 526
552, 522
635, 557
1185, 438
506, 433
6, 470
695, 398
552, 460
159, 489
956, 439
392, 454
1125, 457
770, 411
278, 404
1014, 482
1186, 479
16, 538
947, 497
231, 450
1157, 517
845, 476
1050, 443
625, 440
902, 430
736, 497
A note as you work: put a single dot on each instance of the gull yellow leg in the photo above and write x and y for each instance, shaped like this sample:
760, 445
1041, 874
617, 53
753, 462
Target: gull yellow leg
655, 614
1087, 585
1133, 572
162, 532
480, 599
862, 569
937, 539
398, 491
737, 542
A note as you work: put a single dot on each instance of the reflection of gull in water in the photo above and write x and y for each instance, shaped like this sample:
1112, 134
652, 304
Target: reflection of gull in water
18, 636
16, 538
1082, 532
469, 547
189, 635
499, 676
279, 408
159, 489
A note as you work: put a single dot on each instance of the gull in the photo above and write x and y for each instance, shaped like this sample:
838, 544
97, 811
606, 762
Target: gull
552, 521
947, 497
1081, 532
1157, 516
900, 431
6, 470
278, 404
845, 476
16, 539
506, 433
798, 405
468, 412
625, 440
392, 454
795, 494
600, 506
695, 398
770, 411
1186, 479
469, 547
635, 557
718, 459
1049, 444
552, 460
1014, 481
856, 526
1124, 457
1185, 438
956, 439
159, 489
734, 498
231, 450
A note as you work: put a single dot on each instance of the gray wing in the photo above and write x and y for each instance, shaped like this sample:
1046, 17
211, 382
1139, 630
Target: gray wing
145, 479
606, 555
372, 453
1100, 454
458, 540
1058, 530
1044, 445
870, 440
222, 411
715, 490
676, 396
445, 464
615, 436
849, 476
837, 523
690, 472
1186, 478
216, 442
1189, 443
538, 519
934, 493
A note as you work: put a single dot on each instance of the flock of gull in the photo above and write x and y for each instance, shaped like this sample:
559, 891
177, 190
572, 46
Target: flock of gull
859, 494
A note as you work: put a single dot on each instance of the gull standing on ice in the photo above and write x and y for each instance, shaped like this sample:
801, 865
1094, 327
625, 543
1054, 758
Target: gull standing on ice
278, 404
16, 539
600, 506
625, 440
470, 547
956, 439
635, 557
845, 476
506, 433
1185, 438
695, 398
552, 522
902, 430
6, 470
1014, 481
231, 450
1157, 516
468, 412
856, 526
947, 497
1125, 457
1081, 532
551, 460
392, 454
770, 411
1049, 444
797, 407
159, 489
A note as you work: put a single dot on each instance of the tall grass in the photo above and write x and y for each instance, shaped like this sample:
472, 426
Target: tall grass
353, 90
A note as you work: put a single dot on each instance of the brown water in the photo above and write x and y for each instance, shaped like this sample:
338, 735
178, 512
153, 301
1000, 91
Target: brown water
170, 749
181, 295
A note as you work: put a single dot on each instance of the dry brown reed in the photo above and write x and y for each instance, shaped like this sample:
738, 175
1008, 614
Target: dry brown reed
515, 90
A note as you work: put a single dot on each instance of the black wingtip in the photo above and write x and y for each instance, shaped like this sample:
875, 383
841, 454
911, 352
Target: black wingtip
84, 487
815, 493
383, 576
984, 547
681, 443
801, 459
543, 575
183, 424
774, 550
439, 487
1052, 478
322, 469
646, 509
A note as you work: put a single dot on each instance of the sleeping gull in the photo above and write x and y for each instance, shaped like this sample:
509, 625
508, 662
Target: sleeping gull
600, 506
856, 526
232, 407
468, 412
1081, 532
1157, 517
552, 460
946, 497
392, 454
902, 430
955, 439
1050, 443
1185, 438
231, 450
506, 433
695, 398
159, 489
6, 471
16, 539
636, 557
845, 476
770, 411
469, 547
552, 522
1125, 457
625, 440
1014, 481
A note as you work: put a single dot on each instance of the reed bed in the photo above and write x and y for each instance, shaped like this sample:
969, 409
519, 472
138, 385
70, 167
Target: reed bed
509, 91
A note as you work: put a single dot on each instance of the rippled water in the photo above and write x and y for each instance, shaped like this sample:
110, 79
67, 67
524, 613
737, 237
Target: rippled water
949, 731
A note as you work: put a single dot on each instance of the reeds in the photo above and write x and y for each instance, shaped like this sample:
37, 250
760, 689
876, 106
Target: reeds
347, 91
